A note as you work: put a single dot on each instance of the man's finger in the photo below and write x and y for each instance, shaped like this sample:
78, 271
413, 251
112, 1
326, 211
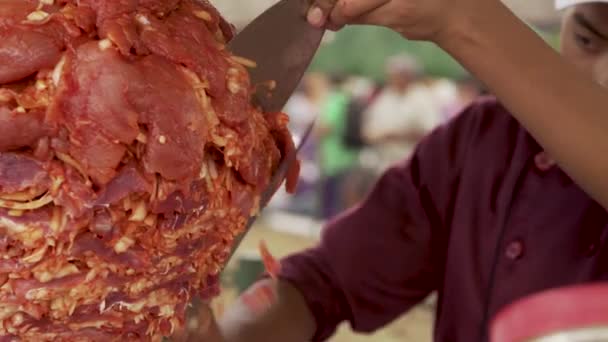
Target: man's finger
349, 11
320, 11
378, 17
333, 27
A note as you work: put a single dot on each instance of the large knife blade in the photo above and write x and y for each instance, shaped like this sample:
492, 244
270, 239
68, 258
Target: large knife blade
282, 44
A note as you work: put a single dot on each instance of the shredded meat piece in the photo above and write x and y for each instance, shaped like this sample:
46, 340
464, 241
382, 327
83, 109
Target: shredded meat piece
20, 130
130, 159
23, 52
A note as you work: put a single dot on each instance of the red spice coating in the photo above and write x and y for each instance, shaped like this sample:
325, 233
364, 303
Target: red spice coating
130, 158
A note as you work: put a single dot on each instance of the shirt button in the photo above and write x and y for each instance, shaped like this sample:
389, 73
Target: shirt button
515, 250
592, 250
543, 162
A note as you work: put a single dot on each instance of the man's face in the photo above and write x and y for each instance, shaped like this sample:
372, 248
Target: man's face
585, 39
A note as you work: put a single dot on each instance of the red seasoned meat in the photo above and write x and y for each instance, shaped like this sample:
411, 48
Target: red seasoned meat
130, 158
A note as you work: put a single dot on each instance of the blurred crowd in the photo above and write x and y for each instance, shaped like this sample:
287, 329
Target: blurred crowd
362, 127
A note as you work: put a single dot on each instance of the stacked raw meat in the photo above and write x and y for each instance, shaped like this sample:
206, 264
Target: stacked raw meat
130, 158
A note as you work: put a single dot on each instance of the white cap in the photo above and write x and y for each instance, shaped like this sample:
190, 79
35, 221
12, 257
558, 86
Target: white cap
561, 4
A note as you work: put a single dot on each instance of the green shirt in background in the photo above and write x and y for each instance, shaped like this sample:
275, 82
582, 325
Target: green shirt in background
335, 156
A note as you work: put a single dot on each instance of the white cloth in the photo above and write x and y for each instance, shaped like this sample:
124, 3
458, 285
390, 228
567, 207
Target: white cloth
301, 112
446, 94
393, 114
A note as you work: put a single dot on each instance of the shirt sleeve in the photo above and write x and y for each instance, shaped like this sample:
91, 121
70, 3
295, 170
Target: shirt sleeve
383, 257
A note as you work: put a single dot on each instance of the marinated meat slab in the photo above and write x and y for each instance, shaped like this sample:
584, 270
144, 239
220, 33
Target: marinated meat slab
130, 158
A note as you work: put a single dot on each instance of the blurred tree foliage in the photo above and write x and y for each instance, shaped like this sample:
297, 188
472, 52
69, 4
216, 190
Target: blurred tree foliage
363, 51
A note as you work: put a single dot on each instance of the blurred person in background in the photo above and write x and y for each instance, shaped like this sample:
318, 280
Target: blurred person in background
303, 107
467, 90
446, 96
335, 158
402, 114
305, 104
359, 179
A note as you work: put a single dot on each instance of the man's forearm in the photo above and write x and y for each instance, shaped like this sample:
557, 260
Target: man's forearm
559, 106
287, 317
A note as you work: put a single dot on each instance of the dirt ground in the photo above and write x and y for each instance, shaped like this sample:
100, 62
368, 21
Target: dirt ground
415, 326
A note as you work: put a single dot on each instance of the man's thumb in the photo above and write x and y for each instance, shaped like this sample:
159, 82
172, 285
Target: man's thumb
319, 11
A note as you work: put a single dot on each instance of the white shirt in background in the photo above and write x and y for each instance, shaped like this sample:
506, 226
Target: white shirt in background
394, 113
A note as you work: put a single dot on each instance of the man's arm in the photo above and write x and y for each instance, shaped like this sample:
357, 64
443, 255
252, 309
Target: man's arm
374, 262
562, 108
285, 318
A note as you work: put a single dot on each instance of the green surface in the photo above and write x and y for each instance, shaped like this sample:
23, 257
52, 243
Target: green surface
248, 271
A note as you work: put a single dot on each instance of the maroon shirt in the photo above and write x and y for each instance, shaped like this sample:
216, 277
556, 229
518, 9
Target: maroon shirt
477, 214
